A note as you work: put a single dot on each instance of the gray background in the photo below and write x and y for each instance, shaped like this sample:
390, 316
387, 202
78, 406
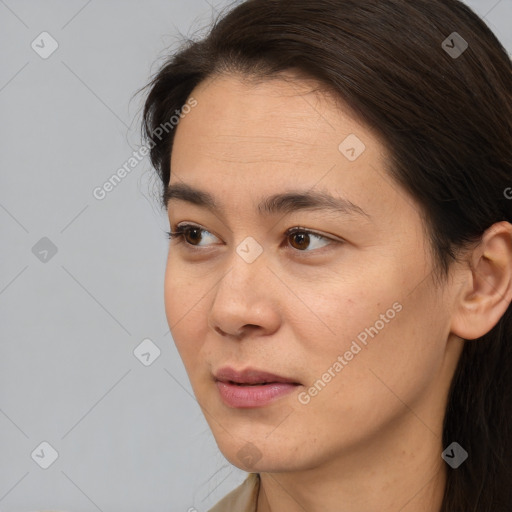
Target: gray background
129, 437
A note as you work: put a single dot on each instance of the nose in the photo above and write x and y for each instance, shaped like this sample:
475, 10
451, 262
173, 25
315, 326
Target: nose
246, 300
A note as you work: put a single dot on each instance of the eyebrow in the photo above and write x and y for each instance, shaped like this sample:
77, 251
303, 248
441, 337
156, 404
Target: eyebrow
282, 203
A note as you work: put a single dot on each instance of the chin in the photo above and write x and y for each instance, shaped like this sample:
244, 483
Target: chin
265, 454
269, 464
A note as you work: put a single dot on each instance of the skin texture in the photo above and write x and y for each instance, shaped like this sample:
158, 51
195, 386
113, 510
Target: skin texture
371, 438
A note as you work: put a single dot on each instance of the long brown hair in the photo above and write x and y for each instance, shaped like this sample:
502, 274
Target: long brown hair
442, 104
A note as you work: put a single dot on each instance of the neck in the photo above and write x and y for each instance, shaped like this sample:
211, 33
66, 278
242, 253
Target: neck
400, 471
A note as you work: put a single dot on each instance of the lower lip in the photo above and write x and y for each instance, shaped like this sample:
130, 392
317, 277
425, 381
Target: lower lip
253, 396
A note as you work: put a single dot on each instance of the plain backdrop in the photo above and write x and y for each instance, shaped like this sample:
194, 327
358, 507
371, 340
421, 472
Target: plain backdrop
81, 278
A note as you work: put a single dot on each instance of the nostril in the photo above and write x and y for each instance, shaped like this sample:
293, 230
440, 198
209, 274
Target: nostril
241, 332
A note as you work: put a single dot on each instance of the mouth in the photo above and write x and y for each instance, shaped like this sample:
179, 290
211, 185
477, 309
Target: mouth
251, 377
251, 388
255, 384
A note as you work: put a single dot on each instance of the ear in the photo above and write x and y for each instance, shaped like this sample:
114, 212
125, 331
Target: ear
487, 284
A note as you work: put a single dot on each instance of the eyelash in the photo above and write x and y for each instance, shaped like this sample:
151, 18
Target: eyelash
179, 234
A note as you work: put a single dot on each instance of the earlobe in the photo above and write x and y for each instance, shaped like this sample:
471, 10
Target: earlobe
487, 291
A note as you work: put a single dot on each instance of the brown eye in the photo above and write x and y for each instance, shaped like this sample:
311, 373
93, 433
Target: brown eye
303, 240
300, 240
192, 235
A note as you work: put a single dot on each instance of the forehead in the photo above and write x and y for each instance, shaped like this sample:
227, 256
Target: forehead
270, 124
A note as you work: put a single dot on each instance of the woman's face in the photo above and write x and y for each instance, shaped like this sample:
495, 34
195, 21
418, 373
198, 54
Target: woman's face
345, 309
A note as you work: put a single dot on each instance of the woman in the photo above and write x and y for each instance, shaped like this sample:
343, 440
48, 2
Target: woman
340, 272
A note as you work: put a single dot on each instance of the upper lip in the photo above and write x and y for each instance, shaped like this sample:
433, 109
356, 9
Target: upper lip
249, 376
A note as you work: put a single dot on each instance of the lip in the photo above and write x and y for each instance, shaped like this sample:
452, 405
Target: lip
250, 388
249, 376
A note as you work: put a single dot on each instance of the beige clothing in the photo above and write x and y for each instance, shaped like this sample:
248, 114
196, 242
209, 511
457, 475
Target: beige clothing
242, 499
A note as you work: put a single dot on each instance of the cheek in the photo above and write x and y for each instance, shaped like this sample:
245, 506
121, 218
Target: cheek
386, 351
185, 303
343, 310
381, 324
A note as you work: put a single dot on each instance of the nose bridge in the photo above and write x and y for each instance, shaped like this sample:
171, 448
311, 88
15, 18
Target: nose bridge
246, 265
243, 296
